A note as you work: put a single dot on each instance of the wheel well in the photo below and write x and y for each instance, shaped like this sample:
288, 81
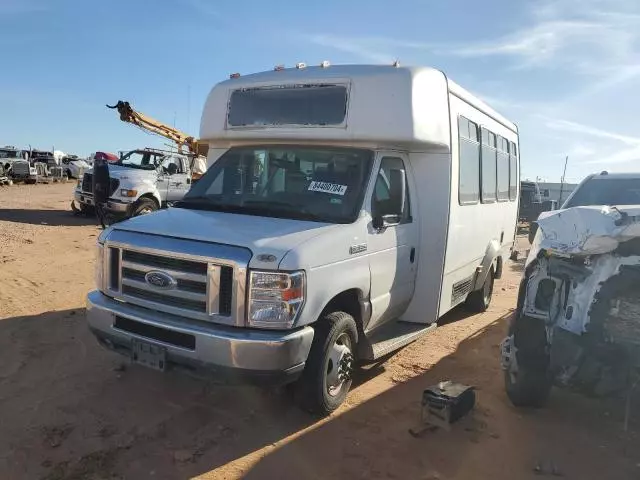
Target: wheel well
150, 197
349, 302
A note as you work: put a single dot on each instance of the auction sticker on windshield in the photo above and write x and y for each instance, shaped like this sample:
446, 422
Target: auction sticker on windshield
326, 187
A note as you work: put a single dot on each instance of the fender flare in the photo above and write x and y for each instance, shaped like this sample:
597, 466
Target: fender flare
490, 259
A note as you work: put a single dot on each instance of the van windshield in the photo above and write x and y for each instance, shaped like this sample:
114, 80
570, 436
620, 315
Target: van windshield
318, 184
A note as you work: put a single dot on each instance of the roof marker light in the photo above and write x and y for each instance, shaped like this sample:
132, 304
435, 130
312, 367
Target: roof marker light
234, 75
325, 64
301, 65
278, 68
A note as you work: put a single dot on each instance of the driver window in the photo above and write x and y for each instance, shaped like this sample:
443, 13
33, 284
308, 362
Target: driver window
387, 194
171, 165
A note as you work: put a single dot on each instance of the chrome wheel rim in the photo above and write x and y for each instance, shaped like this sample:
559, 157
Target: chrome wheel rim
339, 365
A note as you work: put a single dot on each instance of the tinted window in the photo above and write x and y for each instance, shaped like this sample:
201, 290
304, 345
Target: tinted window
469, 165
609, 191
503, 176
388, 190
513, 173
290, 105
488, 172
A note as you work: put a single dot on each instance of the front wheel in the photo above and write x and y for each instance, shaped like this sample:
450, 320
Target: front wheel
144, 206
327, 376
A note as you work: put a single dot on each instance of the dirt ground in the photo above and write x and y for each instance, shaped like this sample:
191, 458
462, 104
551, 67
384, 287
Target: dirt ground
71, 410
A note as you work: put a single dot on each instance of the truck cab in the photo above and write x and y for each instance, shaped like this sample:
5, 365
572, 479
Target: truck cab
341, 215
141, 181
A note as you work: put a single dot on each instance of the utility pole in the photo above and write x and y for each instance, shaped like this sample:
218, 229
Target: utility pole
564, 173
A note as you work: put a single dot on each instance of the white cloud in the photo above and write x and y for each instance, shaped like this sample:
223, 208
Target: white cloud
558, 124
361, 48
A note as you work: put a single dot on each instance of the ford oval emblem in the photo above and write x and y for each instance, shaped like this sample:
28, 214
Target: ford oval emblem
160, 280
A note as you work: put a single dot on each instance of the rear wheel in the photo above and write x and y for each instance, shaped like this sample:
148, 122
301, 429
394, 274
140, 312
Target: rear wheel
480, 300
326, 379
144, 206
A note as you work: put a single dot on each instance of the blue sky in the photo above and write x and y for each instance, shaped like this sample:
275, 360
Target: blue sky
566, 71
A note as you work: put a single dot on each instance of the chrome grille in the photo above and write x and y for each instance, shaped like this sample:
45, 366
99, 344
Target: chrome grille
201, 289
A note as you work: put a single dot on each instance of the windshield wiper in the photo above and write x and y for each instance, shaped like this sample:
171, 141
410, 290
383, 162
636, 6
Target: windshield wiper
204, 203
276, 205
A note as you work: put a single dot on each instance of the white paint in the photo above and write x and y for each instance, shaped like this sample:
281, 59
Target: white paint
326, 187
587, 230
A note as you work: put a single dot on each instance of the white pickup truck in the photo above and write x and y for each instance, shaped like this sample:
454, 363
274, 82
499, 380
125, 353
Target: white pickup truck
345, 210
142, 181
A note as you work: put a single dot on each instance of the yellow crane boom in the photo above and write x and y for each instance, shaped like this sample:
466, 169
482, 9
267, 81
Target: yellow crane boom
181, 139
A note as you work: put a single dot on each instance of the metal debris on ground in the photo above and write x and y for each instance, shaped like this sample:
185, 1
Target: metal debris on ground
444, 404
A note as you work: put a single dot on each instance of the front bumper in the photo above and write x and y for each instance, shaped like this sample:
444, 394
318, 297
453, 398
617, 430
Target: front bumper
114, 206
229, 353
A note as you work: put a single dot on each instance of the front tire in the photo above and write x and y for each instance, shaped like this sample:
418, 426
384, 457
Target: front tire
326, 379
527, 379
144, 206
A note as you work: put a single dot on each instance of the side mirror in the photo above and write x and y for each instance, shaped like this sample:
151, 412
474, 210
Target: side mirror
384, 221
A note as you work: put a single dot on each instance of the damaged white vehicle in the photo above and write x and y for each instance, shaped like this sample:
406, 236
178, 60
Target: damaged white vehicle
577, 322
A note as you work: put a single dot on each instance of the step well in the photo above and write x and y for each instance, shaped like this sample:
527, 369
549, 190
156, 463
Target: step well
391, 337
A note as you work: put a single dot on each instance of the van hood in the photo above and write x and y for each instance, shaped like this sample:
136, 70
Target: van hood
261, 235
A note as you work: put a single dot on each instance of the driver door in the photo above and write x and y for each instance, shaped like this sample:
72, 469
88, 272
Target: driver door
179, 182
392, 247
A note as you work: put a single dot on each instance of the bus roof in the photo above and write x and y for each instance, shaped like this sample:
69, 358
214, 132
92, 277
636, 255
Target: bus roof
382, 104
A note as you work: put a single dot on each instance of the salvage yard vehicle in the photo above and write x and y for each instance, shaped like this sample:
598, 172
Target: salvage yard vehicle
577, 322
74, 167
142, 181
23, 171
344, 211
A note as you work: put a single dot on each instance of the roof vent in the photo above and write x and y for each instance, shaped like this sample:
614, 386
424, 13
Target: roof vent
325, 64
301, 65
278, 68
604, 172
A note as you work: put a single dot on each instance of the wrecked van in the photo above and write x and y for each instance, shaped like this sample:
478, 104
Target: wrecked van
577, 322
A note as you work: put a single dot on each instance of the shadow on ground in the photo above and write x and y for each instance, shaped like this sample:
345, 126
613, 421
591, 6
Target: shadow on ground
71, 410
64, 218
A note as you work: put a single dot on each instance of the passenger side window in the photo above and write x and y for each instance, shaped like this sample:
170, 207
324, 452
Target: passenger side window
488, 172
503, 170
469, 162
391, 191
513, 171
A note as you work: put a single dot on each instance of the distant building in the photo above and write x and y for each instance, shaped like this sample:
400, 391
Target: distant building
551, 191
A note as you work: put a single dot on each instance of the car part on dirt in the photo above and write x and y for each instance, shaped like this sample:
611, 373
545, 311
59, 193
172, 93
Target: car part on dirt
577, 322
444, 404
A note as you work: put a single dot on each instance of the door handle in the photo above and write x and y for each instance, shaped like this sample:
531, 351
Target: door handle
412, 255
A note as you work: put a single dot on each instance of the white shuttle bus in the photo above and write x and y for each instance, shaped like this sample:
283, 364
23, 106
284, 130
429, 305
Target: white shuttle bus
344, 211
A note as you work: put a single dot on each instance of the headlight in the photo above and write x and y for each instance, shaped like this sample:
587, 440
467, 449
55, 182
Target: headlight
275, 299
128, 193
99, 266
